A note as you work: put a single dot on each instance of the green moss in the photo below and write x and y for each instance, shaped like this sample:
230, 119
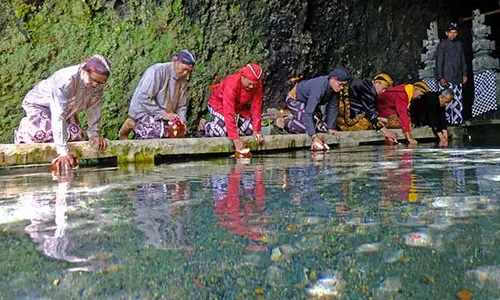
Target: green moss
133, 36
144, 156
20, 159
219, 149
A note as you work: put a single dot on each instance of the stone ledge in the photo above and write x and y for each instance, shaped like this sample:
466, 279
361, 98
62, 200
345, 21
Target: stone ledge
144, 151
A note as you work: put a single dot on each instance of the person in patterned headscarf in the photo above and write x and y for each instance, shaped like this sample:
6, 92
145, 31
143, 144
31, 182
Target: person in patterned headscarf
235, 105
160, 99
52, 108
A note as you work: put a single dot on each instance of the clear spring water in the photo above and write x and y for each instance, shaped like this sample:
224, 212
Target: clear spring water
370, 222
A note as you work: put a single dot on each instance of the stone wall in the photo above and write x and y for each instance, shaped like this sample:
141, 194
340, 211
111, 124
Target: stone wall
310, 37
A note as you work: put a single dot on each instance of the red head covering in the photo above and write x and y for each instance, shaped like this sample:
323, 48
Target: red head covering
252, 72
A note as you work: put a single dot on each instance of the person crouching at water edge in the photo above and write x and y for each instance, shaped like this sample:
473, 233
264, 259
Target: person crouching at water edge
307, 96
235, 105
393, 106
357, 108
431, 110
52, 108
160, 100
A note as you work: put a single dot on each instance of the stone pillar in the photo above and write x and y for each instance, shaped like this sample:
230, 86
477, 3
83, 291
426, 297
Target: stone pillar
485, 67
428, 58
481, 45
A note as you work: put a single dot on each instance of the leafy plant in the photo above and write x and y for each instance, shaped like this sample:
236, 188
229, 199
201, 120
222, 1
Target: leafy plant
133, 35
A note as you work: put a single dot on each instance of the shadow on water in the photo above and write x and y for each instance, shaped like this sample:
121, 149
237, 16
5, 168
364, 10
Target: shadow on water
368, 222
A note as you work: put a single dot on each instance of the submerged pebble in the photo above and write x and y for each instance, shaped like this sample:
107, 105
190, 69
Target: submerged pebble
486, 275
418, 239
276, 254
240, 281
274, 275
394, 256
390, 285
287, 249
369, 248
309, 220
328, 286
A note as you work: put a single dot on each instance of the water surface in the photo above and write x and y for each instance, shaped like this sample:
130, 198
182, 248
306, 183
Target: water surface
370, 222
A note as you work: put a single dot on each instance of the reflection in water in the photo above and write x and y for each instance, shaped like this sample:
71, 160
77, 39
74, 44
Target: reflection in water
49, 226
160, 213
400, 181
239, 201
373, 222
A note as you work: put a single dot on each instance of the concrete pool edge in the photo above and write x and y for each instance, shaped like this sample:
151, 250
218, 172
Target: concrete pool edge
144, 151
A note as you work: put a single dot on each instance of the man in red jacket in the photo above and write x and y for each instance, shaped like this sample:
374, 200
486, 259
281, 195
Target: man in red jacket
394, 103
236, 106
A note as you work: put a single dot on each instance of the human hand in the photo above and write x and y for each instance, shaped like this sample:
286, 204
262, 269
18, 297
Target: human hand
98, 143
412, 141
464, 80
63, 163
318, 144
335, 133
443, 82
171, 116
445, 134
383, 120
389, 134
443, 142
258, 137
238, 145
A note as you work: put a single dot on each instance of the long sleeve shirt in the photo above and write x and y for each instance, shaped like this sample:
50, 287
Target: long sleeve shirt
64, 94
450, 61
314, 93
362, 95
230, 98
428, 111
395, 101
150, 96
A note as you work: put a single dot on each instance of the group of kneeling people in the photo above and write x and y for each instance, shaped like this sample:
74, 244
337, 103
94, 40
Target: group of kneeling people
158, 105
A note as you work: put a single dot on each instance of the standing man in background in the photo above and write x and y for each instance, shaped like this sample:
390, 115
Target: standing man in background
451, 71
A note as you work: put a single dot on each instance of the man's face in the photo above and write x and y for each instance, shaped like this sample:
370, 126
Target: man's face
93, 79
182, 70
445, 99
451, 34
379, 87
248, 84
336, 84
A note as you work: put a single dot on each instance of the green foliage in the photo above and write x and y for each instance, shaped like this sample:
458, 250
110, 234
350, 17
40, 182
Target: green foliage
133, 36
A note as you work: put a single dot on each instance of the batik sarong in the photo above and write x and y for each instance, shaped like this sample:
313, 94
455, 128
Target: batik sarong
345, 123
216, 127
295, 122
454, 108
393, 122
36, 128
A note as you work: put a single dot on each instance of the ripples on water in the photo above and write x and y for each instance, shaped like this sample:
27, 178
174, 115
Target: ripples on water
367, 222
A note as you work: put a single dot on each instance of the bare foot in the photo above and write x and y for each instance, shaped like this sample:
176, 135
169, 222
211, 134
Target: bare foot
280, 122
201, 125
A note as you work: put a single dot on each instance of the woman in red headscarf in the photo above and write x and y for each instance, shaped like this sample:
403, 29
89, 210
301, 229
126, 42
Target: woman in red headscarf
236, 106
